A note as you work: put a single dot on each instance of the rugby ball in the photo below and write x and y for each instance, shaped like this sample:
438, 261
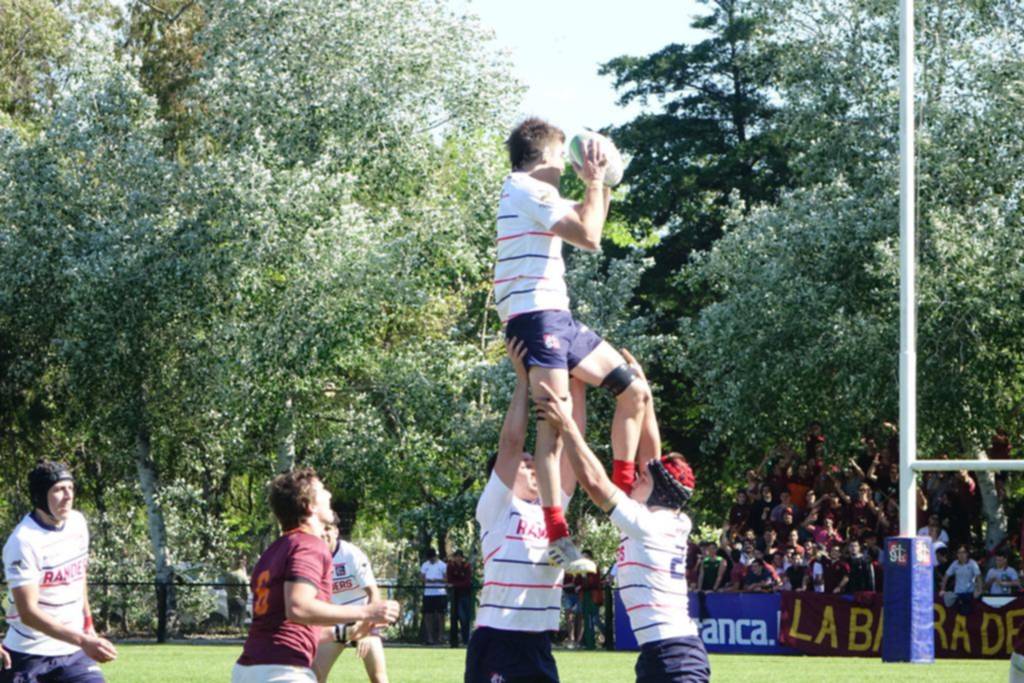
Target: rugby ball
615, 168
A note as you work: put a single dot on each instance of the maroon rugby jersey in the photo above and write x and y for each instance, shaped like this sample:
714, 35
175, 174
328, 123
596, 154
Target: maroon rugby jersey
297, 555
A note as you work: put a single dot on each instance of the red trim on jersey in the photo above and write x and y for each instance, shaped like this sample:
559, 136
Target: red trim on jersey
653, 604
537, 541
525, 234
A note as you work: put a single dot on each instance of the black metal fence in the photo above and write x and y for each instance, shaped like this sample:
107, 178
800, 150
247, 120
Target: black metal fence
222, 610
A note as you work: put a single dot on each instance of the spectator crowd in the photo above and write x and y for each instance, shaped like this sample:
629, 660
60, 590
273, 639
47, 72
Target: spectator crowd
801, 524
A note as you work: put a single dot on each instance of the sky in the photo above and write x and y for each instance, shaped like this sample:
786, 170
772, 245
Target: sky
556, 47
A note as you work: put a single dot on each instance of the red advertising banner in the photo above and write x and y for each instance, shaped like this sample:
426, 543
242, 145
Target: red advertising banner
836, 626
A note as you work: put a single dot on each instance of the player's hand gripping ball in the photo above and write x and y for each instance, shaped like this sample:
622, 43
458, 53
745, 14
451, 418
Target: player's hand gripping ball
613, 170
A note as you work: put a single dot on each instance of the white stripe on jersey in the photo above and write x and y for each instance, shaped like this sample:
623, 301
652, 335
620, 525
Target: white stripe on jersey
529, 274
352, 576
521, 591
651, 564
56, 560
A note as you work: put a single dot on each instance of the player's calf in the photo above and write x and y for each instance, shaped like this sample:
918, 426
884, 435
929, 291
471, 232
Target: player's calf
546, 455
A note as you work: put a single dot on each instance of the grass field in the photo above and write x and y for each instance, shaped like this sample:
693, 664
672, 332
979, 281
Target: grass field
212, 663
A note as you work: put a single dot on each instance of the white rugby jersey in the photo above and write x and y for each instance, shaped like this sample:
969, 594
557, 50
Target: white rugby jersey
529, 274
651, 562
352, 576
56, 561
521, 591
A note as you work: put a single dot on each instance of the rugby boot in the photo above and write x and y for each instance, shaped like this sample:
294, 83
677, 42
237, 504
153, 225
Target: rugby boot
563, 553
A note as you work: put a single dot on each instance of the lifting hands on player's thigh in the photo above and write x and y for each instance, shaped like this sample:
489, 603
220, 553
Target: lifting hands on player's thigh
556, 378
634, 365
558, 381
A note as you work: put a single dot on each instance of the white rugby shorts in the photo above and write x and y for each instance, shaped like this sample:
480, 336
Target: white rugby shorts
272, 673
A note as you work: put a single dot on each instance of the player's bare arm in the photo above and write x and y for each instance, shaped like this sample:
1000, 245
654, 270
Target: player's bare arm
87, 611
589, 470
302, 606
583, 226
512, 441
5, 658
26, 598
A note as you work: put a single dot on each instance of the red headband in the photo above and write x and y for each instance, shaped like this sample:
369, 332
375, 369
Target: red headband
680, 471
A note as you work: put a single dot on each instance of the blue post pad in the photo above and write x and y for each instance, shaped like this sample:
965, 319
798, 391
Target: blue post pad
908, 628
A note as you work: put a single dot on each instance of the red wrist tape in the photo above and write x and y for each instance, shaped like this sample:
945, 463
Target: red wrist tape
87, 623
623, 474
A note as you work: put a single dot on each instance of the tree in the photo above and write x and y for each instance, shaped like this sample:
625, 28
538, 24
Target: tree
36, 37
804, 325
162, 34
712, 137
707, 136
100, 217
33, 38
366, 200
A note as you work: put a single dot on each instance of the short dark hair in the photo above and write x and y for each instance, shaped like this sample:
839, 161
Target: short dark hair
292, 494
431, 553
527, 141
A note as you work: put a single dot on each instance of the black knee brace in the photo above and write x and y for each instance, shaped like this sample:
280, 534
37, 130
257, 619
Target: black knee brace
619, 379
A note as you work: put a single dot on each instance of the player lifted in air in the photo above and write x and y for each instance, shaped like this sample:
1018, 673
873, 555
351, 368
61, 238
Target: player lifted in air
533, 303
353, 583
651, 559
522, 593
50, 635
291, 588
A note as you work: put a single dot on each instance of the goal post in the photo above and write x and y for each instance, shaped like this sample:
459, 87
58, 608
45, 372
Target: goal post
908, 621
908, 631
